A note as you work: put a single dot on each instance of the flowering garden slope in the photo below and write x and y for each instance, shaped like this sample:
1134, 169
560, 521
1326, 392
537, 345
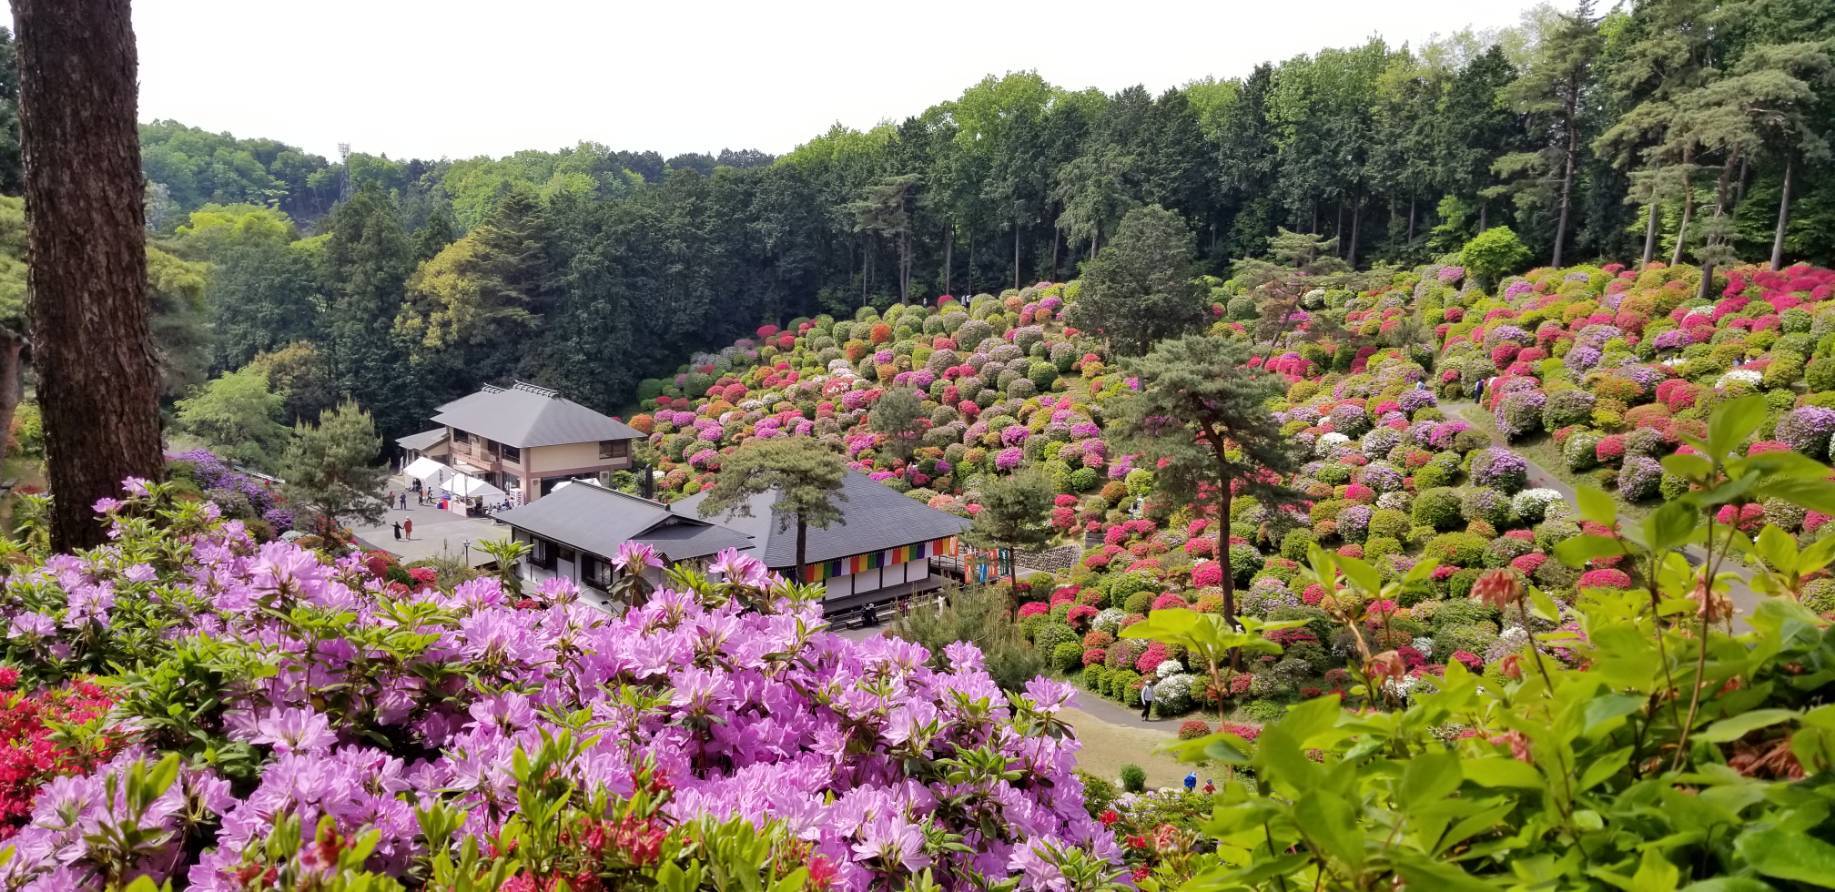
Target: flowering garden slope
290, 718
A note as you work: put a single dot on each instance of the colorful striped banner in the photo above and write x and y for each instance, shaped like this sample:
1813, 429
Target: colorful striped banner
861, 563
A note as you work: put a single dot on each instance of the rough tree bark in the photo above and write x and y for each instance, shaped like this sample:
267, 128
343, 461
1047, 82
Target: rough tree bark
87, 280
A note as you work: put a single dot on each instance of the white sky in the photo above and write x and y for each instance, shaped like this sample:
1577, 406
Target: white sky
455, 78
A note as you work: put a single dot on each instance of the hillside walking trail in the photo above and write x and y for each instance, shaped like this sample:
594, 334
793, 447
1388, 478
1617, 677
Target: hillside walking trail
1740, 592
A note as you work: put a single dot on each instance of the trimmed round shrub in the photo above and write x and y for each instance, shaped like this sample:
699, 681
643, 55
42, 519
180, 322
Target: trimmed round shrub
1457, 549
1638, 478
1437, 508
1133, 777
1500, 468
1067, 656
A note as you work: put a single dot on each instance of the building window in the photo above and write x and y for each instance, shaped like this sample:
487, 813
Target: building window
611, 449
510, 453
596, 573
543, 555
569, 555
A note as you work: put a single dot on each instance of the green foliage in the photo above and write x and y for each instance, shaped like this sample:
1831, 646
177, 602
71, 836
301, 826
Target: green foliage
1140, 290
331, 467
898, 417
238, 417
805, 484
981, 617
1493, 254
1133, 778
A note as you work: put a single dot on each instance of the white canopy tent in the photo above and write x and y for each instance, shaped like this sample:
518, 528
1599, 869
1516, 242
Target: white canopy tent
426, 470
471, 488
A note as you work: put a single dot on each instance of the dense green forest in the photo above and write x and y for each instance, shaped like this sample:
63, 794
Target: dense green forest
1667, 129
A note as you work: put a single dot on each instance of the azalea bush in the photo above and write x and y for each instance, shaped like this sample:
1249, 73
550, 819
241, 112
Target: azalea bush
1639, 736
266, 716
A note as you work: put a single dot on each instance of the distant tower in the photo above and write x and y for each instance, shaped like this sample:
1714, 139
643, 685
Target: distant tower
343, 171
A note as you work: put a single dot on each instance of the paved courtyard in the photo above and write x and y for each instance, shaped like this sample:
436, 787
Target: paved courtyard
436, 533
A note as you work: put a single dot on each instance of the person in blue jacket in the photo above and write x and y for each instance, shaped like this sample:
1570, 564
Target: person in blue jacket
1191, 782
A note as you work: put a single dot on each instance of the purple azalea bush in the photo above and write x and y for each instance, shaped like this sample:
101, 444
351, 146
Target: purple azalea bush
385, 716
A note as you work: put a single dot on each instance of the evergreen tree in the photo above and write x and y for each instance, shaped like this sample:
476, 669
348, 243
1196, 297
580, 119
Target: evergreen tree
331, 467
898, 417
1200, 420
806, 483
1015, 513
1141, 289
367, 262
1554, 93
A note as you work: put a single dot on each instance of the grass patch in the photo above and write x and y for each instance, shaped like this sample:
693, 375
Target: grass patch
1107, 746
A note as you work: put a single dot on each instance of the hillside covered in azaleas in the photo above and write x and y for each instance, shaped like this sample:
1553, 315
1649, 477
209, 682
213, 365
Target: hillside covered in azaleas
1380, 373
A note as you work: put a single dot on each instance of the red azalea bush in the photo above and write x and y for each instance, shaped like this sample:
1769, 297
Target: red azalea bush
32, 751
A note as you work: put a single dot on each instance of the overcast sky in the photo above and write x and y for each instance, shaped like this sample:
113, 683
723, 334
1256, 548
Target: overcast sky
455, 78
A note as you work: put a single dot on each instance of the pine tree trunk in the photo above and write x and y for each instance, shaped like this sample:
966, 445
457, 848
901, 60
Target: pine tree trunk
1016, 255
1650, 233
802, 539
98, 377
1484, 213
1688, 210
1054, 255
1777, 236
1411, 220
949, 255
1567, 188
1356, 218
12, 346
1338, 228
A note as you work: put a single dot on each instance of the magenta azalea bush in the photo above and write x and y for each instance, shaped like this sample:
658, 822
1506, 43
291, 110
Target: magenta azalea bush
288, 716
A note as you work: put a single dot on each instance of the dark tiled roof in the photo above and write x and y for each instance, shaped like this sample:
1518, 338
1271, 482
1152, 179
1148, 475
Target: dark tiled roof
526, 416
423, 440
598, 520
874, 517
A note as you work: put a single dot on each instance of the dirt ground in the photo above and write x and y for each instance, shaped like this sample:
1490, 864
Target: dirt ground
1108, 746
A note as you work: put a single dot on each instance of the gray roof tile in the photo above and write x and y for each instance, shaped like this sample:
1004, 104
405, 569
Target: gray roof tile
874, 517
598, 520
526, 416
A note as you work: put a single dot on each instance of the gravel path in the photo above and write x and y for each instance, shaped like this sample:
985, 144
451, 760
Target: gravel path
1744, 599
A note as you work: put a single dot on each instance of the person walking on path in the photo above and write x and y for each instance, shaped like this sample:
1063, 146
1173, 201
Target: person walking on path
1147, 699
1191, 782
398, 531
404, 501
407, 527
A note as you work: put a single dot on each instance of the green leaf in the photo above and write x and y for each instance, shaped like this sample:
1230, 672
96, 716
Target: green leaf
1730, 729
1361, 574
1575, 552
1688, 466
1789, 855
1596, 505
1777, 548
1502, 771
1816, 495
1785, 464
1734, 422
1655, 873
1429, 777
1423, 873
1603, 768
1670, 526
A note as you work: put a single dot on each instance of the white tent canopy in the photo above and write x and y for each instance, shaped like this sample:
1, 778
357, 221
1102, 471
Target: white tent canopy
426, 469
471, 487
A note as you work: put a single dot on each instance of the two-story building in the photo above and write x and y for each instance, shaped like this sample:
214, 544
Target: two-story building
524, 439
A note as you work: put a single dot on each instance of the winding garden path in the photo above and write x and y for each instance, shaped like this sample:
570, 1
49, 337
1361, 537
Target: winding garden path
1744, 599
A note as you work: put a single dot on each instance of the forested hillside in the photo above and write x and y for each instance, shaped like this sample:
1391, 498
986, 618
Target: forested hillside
1669, 130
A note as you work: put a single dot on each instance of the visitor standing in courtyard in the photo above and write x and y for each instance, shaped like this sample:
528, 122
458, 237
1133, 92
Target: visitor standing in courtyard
398, 531
407, 527
1147, 699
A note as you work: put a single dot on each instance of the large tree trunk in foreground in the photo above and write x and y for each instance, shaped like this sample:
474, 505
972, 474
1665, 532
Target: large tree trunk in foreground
98, 380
